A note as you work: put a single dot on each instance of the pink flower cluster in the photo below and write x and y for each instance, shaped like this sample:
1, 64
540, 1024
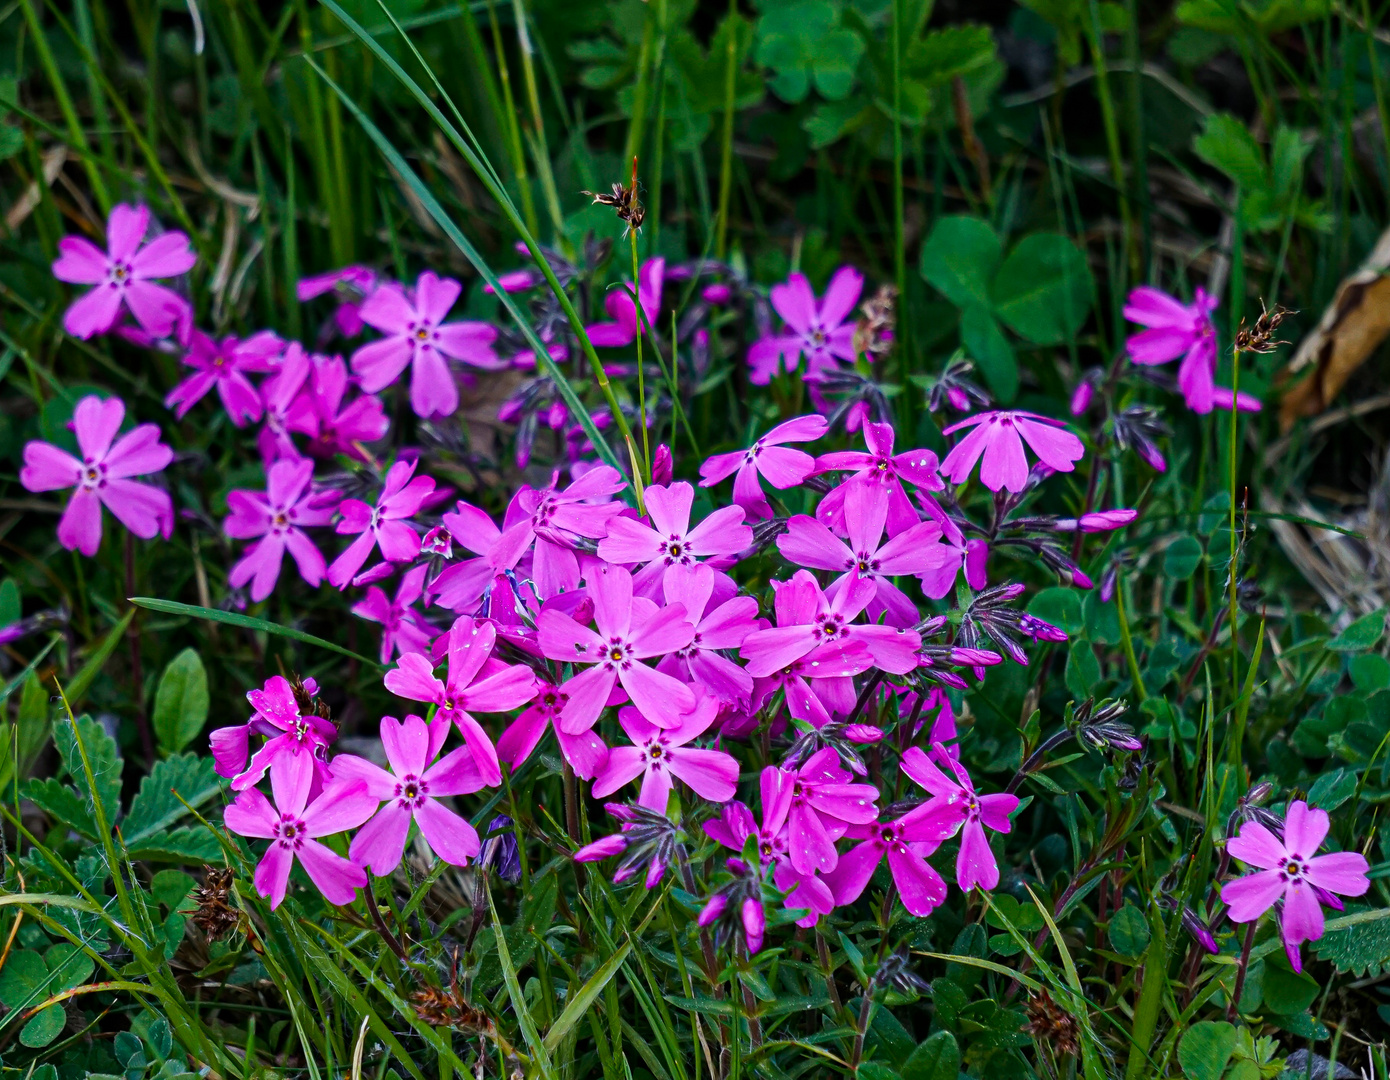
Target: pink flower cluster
574, 605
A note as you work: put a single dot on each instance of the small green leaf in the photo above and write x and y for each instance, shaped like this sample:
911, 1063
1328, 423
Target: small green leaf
1226, 144
1083, 670
960, 258
1044, 290
181, 702
1287, 992
1129, 931
44, 1027
1360, 635
938, 1058
1369, 672
1182, 558
1328, 792
10, 608
1061, 607
1205, 1049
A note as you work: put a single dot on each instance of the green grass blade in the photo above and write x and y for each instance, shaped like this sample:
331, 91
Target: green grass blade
232, 618
578, 1005
82, 682
538, 1050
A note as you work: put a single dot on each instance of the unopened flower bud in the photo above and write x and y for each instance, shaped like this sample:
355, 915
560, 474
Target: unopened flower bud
662, 467
1081, 398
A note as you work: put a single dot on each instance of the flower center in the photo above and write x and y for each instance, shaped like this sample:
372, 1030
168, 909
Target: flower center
1292, 867
93, 475
119, 273
675, 548
289, 833
280, 520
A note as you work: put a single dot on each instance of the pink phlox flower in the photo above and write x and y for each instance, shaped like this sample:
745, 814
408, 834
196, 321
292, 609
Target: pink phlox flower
283, 395
878, 467
383, 524
279, 515
461, 587
334, 427
1176, 329
293, 825
474, 683
411, 792
623, 330
719, 627
767, 457
955, 804
403, 629
350, 286
735, 824
815, 684
823, 804
906, 843
101, 477
1292, 875
808, 617
669, 540
419, 338
586, 752
971, 555
630, 629
231, 746
289, 736
998, 438
820, 331
660, 755
124, 275
558, 519
867, 557
1098, 521
225, 365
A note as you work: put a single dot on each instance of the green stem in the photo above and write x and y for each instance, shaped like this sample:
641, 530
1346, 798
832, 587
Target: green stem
1128, 642
528, 206
1231, 576
641, 384
726, 149
1150, 1002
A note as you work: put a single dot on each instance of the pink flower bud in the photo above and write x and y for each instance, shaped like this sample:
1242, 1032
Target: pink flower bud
717, 294
713, 909
1081, 398
662, 467
1151, 454
754, 923
604, 848
863, 733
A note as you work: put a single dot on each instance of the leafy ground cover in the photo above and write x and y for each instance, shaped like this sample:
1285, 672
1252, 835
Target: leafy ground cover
810, 538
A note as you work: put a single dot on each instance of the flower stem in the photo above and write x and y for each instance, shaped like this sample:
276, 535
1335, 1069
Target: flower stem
1128, 643
641, 385
1232, 1009
1231, 578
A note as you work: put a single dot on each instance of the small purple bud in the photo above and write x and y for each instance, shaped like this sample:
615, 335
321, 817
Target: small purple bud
662, 468
1082, 580
1081, 397
958, 398
556, 416
1105, 520
509, 411
655, 872
717, 294
500, 853
713, 908
604, 848
975, 657
1151, 454
1107, 585
1198, 930
863, 733
976, 563
754, 923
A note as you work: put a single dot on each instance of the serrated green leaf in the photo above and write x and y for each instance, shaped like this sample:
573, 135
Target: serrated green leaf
1362, 949
185, 846
104, 756
156, 805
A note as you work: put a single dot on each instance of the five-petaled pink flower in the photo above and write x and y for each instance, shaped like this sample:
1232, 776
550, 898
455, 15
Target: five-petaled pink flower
403, 629
867, 556
630, 629
1290, 871
279, 515
906, 842
225, 365
823, 804
623, 330
881, 468
1176, 329
971, 555
999, 438
815, 330
419, 338
463, 585
293, 826
332, 426
669, 540
124, 276
780, 466
475, 682
384, 524
955, 803
411, 792
293, 738
660, 755
102, 476
281, 396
